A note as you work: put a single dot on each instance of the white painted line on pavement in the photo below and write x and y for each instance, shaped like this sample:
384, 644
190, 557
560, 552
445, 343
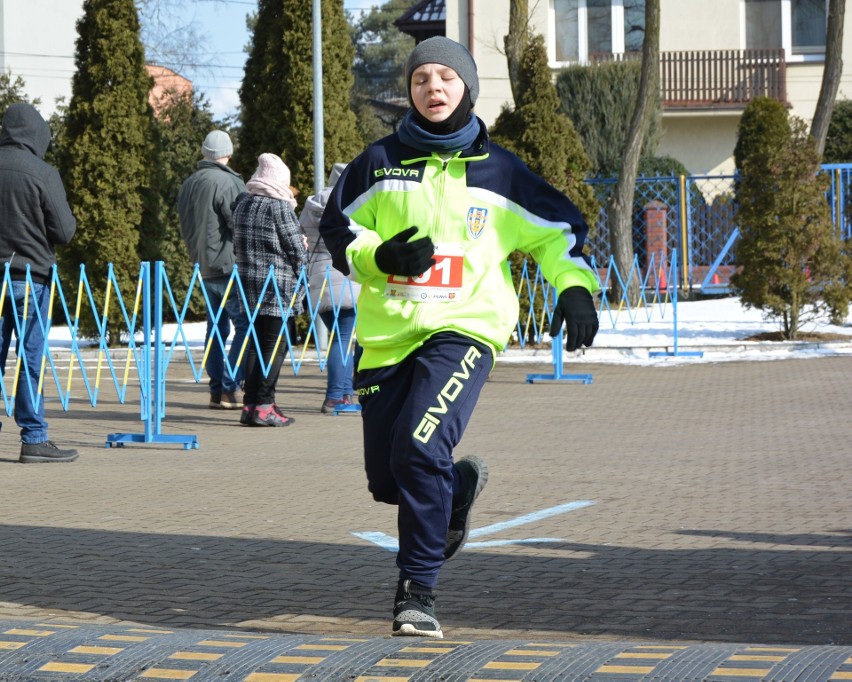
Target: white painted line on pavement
381, 539
531, 518
391, 544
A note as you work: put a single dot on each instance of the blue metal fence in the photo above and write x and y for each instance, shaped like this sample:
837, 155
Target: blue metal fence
701, 222
148, 346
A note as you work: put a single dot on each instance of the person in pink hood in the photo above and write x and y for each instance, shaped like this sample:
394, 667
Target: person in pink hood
267, 233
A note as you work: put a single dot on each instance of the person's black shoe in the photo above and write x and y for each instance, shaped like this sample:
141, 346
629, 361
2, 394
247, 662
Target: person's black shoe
45, 452
474, 475
414, 611
247, 415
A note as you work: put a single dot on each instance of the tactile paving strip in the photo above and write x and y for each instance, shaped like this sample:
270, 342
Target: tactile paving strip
94, 653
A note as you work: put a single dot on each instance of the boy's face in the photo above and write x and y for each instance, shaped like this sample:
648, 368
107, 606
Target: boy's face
436, 91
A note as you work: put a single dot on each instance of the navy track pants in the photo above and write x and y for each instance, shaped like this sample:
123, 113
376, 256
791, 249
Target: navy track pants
414, 414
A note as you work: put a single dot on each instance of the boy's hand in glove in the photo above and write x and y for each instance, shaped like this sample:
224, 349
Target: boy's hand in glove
398, 256
576, 308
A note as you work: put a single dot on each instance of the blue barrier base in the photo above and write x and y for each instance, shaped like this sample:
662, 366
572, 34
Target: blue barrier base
583, 378
119, 439
677, 353
338, 409
556, 352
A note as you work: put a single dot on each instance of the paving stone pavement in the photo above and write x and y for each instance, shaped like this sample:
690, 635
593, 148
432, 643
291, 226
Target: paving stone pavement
718, 511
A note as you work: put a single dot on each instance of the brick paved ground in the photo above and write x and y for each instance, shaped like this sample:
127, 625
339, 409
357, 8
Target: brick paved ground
722, 512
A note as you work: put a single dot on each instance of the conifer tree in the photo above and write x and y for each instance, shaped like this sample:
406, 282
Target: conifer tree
277, 93
13, 90
791, 259
838, 144
107, 156
764, 124
263, 93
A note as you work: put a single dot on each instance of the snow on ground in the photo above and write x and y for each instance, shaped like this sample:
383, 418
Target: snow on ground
716, 328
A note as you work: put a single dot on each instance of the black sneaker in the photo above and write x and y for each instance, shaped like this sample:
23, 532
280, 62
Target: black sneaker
474, 475
414, 611
247, 415
45, 452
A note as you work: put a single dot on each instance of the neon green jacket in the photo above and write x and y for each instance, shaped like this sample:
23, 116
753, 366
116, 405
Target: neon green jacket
477, 206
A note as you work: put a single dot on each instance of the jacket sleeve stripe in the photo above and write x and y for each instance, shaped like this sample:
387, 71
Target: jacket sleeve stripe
573, 253
502, 202
392, 185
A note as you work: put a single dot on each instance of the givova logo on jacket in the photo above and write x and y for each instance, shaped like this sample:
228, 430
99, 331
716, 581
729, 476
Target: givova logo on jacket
476, 221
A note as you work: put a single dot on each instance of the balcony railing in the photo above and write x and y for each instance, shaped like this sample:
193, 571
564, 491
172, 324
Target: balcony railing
716, 79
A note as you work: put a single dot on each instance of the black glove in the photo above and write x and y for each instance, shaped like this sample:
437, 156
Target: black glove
576, 308
398, 256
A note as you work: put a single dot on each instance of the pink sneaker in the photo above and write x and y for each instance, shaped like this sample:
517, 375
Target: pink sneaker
269, 415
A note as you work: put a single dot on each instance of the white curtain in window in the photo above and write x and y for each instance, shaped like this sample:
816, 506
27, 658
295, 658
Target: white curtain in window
763, 24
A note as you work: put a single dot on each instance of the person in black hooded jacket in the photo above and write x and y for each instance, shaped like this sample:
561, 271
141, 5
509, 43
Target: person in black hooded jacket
34, 218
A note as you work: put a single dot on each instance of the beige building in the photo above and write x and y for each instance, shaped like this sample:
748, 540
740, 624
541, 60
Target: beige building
715, 56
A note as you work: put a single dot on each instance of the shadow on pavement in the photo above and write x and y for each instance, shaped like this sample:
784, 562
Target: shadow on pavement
729, 595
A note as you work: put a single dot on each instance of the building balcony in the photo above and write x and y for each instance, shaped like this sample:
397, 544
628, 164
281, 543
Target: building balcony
715, 79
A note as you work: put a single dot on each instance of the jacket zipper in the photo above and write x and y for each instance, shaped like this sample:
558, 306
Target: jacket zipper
437, 231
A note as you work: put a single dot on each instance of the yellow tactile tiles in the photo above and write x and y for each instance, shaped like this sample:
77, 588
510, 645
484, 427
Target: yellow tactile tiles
752, 662
637, 661
516, 663
405, 662
844, 672
85, 652
297, 661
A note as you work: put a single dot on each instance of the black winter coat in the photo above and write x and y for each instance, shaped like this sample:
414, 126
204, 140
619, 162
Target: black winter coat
34, 211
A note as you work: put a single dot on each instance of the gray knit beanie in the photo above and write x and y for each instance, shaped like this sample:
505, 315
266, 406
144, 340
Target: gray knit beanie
217, 145
441, 50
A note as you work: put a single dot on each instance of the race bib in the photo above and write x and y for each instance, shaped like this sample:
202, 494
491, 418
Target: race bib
439, 284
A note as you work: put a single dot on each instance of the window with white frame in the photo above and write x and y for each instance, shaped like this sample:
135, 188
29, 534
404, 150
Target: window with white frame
798, 26
586, 27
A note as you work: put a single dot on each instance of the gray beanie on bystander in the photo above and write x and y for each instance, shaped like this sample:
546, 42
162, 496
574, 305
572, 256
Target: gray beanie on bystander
441, 50
217, 145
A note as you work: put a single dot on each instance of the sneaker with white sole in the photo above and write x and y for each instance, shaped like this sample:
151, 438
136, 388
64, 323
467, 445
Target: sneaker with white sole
473, 473
414, 611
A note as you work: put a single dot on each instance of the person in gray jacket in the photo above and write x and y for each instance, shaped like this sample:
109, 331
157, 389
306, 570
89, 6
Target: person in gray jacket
34, 217
334, 295
204, 205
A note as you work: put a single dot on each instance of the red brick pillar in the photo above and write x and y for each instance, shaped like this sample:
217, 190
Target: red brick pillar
656, 243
